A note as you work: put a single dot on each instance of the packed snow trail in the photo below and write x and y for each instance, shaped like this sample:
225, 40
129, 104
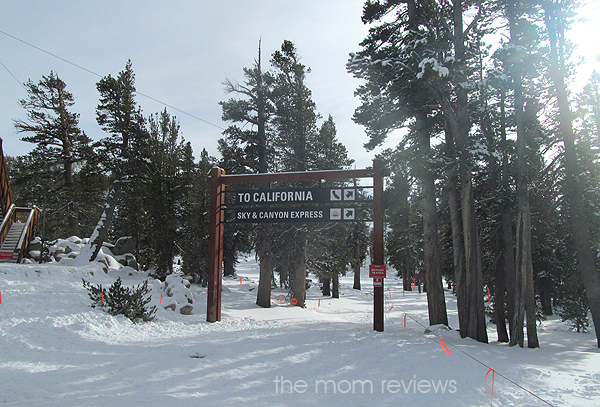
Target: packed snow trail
55, 350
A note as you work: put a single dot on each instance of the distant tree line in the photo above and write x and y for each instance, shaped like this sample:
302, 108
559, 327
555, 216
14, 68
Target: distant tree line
275, 128
141, 180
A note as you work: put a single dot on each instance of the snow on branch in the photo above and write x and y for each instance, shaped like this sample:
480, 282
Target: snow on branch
435, 66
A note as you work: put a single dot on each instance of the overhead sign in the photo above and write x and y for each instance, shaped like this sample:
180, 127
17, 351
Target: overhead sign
304, 214
296, 196
377, 271
301, 196
342, 194
298, 205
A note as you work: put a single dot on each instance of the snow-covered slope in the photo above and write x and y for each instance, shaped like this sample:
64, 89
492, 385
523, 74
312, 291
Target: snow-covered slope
57, 351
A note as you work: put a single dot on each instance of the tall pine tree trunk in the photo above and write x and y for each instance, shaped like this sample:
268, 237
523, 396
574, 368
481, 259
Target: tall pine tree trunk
431, 251
524, 294
335, 290
574, 190
230, 250
474, 274
326, 287
456, 112
507, 237
263, 297
299, 282
470, 302
457, 232
500, 288
356, 264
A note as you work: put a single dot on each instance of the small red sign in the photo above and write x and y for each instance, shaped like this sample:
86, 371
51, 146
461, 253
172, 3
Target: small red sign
294, 301
377, 271
378, 282
6, 255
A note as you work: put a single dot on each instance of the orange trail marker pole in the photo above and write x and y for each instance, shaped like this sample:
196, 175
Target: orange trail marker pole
240, 282
405, 320
0, 297
101, 298
319, 303
488, 295
493, 378
443, 345
280, 299
160, 298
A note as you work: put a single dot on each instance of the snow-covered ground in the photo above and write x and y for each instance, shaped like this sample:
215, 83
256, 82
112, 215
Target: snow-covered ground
57, 351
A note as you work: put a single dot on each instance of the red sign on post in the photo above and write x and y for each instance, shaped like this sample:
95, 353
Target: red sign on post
6, 255
378, 282
377, 271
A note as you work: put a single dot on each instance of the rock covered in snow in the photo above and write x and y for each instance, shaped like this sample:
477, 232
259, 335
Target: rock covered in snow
173, 294
36, 245
124, 245
63, 250
434, 329
186, 309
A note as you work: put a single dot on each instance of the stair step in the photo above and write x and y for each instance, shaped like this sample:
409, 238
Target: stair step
10, 241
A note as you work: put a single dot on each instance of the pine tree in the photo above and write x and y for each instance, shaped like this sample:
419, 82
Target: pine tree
588, 110
60, 148
524, 300
395, 96
556, 18
332, 248
194, 234
326, 152
252, 150
404, 229
296, 117
164, 191
295, 123
118, 115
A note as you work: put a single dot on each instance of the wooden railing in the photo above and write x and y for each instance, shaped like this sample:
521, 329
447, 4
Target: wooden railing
31, 225
7, 222
11, 214
30, 218
5, 196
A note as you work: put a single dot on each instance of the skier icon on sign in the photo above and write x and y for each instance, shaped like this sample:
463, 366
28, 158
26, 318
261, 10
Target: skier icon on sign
335, 195
349, 194
335, 214
349, 214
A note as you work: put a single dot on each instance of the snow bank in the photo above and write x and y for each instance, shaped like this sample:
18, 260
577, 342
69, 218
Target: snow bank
55, 350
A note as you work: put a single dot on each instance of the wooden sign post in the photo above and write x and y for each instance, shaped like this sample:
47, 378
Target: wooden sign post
215, 246
378, 258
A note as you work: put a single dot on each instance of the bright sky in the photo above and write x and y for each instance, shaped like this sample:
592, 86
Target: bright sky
181, 52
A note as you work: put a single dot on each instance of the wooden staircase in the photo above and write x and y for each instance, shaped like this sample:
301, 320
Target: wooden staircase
11, 242
18, 224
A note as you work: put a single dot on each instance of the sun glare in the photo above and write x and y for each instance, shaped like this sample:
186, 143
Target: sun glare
584, 33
